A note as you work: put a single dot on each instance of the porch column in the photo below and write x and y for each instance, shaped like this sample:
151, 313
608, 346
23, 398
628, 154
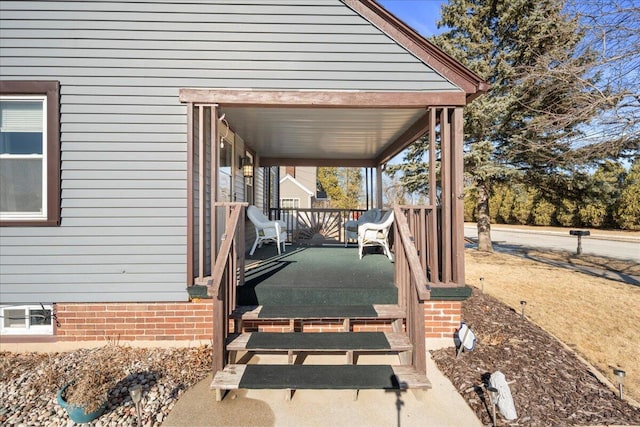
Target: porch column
213, 186
379, 186
445, 196
457, 175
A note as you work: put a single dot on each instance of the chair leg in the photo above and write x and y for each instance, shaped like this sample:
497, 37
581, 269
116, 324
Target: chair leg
255, 244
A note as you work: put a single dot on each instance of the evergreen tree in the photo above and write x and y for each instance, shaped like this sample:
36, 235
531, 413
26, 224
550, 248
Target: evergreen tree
627, 209
522, 129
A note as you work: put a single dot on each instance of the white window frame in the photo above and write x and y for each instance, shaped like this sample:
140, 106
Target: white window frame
295, 200
28, 329
43, 214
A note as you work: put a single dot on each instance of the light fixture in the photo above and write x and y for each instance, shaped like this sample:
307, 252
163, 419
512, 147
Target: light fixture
247, 167
620, 374
136, 396
493, 396
222, 120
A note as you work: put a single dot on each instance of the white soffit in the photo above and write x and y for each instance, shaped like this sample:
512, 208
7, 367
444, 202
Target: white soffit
320, 133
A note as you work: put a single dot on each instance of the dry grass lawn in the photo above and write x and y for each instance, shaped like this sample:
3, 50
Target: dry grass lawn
597, 317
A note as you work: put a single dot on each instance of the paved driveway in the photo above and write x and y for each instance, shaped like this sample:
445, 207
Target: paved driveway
612, 246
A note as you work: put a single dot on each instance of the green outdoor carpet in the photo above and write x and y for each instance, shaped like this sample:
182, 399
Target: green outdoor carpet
349, 377
323, 341
316, 311
320, 275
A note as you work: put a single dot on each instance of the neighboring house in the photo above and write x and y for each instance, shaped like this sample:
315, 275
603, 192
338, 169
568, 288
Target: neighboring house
122, 123
297, 187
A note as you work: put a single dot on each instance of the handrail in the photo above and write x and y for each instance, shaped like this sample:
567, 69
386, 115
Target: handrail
413, 288
227, 272
413, 260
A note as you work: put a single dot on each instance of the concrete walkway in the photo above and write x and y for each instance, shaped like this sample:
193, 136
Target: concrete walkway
440, 406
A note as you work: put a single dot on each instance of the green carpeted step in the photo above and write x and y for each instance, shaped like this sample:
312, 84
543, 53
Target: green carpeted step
318, 377
285, 312
338, 377
319, 342
319, 295
324, 341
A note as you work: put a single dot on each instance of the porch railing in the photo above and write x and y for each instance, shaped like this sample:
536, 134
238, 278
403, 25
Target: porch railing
228, 272
315, 226
411, 279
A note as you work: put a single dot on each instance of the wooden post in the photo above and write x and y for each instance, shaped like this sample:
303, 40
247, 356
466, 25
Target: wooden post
379, 186
190, 153
201, 191
434, 257
457, 173
213, 186
445, 182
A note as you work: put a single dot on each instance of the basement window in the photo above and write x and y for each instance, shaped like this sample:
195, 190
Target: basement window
26, 320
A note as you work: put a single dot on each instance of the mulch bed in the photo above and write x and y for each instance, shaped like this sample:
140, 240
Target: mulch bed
549, 384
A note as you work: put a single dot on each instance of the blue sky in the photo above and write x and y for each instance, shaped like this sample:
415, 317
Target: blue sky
421, 15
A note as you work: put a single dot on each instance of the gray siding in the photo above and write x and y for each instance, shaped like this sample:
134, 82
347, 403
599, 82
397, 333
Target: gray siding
123, 131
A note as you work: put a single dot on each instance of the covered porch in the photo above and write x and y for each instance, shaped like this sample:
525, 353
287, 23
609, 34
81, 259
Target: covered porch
364, 126
324, 129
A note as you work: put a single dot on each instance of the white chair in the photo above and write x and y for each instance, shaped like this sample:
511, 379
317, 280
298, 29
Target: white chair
266, 230
351, 226
376, 234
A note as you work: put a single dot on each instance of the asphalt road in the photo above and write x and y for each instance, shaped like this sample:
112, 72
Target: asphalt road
613, 247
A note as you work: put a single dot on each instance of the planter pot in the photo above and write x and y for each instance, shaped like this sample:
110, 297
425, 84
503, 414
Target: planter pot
76, 413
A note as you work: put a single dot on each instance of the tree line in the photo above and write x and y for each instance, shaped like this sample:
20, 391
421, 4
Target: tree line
608, 198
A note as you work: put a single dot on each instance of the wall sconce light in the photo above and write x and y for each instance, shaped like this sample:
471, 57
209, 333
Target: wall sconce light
247, 167
619, 373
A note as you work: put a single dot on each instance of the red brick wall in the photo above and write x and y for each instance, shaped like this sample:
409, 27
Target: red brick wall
441, 318
180, 321
192, 321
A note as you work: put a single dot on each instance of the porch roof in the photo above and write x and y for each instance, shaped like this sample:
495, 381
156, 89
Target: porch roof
345, 128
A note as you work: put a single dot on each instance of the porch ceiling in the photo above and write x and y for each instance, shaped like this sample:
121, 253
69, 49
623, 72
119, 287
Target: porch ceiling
321, 136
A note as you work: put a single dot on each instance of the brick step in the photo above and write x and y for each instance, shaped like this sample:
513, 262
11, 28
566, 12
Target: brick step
317, 377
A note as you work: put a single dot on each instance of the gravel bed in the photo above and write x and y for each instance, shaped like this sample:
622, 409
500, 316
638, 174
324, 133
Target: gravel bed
29, 383
549, 384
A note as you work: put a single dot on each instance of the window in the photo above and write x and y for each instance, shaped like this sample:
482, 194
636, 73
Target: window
29, 153
290, 203
26, 320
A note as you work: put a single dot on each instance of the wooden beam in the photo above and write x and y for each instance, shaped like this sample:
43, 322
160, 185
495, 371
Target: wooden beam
292, 161
413, 133
320, 99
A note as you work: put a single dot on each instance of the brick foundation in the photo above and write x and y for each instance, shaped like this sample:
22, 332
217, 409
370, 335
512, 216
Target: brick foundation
180, 321
192, 321
442, 318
